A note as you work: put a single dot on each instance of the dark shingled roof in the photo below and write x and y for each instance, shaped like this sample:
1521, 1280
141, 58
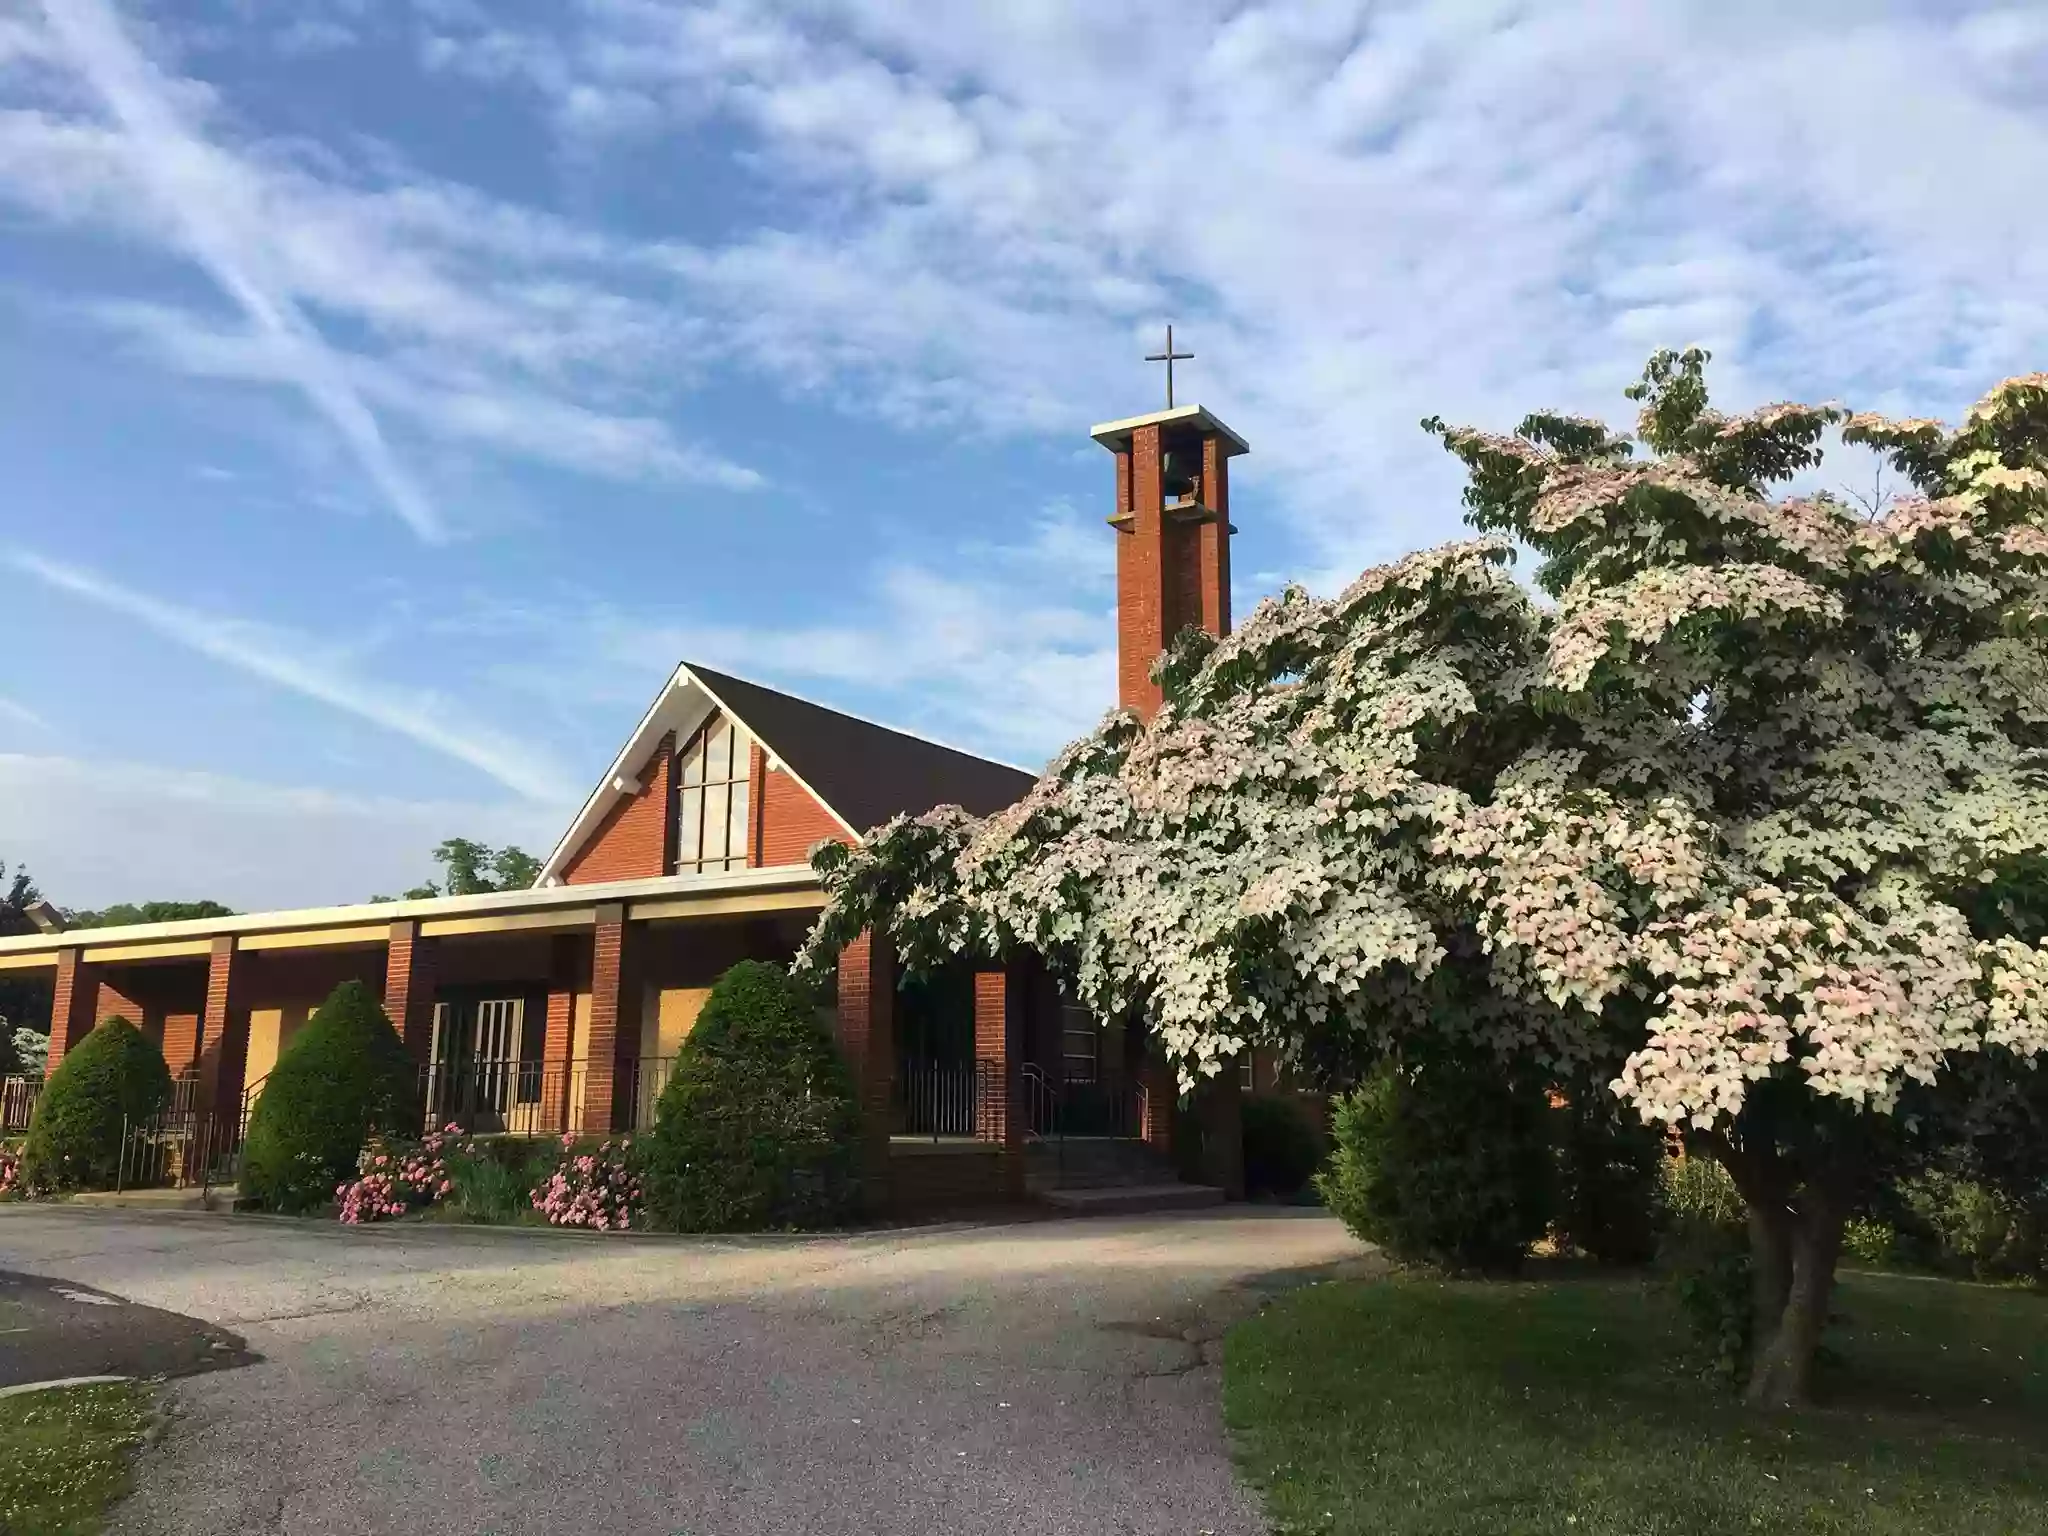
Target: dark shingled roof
865, 772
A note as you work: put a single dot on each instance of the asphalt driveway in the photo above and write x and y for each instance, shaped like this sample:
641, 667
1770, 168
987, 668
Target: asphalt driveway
1048, 1377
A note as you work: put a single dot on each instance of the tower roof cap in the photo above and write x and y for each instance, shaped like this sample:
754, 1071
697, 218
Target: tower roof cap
1117, 434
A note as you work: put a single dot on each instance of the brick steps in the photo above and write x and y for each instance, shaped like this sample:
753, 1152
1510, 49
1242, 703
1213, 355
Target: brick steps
1130, 1199
1093, 1162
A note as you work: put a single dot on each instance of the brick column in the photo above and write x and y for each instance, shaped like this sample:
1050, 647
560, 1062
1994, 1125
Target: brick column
1218, 1109
558, 1074
72, 1001
614, 1020
223, 1032
409, 987
1213, 539
1162, 1094
999, 1018
865, 1022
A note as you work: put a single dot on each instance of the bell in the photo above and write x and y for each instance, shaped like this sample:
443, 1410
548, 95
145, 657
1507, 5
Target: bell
1180, 472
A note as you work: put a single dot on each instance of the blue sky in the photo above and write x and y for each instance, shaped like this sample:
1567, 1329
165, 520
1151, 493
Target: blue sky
392, 391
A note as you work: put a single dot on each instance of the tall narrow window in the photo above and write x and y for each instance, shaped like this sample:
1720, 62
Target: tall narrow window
712, 804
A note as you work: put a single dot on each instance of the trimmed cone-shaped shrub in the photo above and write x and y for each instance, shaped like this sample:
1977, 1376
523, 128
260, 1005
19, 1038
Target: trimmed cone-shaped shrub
115, 1076
758, 1127
1447, 1163
1282, 1147
345, 1075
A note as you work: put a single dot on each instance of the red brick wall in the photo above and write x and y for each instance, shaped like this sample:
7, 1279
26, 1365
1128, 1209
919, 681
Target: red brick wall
634, 840
956, 1179
181, 1041
791, 822
113, 1003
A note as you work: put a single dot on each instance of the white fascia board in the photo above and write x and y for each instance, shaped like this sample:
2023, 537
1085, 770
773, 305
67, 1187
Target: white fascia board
533, 899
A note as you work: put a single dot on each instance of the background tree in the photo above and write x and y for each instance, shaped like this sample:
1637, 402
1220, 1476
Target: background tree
125, 912
470, 868
1747, 824
24, 1002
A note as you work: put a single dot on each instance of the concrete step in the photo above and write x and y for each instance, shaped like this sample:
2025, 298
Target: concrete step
1127, 1199
220, 1198
1083, 1162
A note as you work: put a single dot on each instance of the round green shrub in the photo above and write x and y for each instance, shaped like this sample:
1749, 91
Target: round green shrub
1446, 1163
1608, 1198
345, 1074
758, 1127
113, 1077
1282, 1147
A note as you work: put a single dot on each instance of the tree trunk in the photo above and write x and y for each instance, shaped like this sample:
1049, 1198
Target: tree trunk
1781, 1371
1770, 1263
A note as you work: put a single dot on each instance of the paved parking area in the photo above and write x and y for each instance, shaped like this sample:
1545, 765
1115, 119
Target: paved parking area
1049, 1377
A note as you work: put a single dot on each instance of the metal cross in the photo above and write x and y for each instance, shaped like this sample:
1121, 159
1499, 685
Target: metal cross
1169, 357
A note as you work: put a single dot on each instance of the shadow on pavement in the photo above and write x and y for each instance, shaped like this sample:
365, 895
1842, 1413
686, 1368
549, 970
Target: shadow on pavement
53, 1329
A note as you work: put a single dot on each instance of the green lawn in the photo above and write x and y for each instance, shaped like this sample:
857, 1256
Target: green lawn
1559, 1404
64, 1456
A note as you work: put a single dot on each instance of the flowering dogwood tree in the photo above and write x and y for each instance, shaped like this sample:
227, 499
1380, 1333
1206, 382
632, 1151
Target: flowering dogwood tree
1745, 818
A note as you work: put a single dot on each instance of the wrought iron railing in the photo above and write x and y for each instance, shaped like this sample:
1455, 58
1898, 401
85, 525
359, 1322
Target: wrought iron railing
1056, 1106
18, 1097
191, 1143
540, 1098
953, 1100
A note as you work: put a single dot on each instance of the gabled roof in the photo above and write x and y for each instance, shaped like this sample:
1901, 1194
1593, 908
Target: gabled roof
861, 772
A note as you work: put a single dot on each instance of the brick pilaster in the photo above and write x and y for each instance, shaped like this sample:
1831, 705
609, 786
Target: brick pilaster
223, 1032
73, 998
1000, 1018
614, 1021
865, 1021
566, 957
409, 987
1162, 1093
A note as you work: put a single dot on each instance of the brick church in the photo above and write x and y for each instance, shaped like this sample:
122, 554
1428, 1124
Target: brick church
560, 1007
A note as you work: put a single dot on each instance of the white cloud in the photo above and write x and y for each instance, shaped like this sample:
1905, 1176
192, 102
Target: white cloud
454, 403
96, 832
1009, 649
220, 223
21, 715
474, 322
1357, 216
296, 664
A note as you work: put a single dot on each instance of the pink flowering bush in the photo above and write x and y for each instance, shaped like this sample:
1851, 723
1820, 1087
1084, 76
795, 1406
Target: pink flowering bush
10, 1173
598, 1189
395, 1178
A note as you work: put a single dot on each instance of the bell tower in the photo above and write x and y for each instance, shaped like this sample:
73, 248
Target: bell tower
1172, 523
